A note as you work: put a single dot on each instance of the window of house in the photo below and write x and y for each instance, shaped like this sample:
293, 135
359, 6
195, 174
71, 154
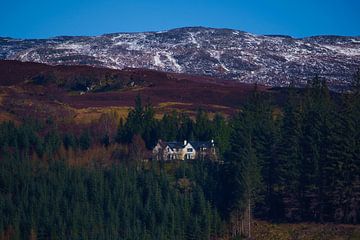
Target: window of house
189, 150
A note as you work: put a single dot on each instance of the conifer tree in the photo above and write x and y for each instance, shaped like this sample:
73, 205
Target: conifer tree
221, 134
289, 159
242, 170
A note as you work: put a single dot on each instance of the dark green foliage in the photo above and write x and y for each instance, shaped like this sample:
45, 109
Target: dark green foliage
70, 141
140, 121
85, 140
169, 126
105, 140
242, 169
172, 127
289, 161
186, 128
80, 83
119, 203
307, 157
122, 202
221, 134
52, 142
43, 79
202, 129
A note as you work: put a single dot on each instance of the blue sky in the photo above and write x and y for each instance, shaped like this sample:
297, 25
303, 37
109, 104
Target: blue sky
47, 18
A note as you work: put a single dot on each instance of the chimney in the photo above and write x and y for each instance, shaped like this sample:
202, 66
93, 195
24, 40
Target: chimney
185, 142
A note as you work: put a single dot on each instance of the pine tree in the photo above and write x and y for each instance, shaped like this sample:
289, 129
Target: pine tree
242, 170
289, 160
202, 130
315, 129
221, 134
85, 140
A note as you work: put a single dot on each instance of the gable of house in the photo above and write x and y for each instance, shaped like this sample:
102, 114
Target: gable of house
189, 152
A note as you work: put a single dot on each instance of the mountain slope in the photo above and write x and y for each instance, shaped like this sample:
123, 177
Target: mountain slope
231, 54
69, 93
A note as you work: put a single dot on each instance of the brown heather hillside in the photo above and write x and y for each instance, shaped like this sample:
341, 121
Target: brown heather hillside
81, 94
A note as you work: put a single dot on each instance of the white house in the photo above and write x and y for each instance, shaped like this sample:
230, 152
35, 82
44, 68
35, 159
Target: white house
184, 150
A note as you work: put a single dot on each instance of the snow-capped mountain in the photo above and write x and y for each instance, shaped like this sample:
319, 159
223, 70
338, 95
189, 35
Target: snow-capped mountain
225, 53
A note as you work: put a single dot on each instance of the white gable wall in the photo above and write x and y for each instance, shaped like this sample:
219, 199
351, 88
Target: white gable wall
188, 152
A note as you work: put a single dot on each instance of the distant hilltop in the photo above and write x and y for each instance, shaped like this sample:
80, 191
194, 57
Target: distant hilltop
273, 60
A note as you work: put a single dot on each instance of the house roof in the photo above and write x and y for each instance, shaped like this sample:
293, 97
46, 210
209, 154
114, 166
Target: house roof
175, 145
201, 144
196, 144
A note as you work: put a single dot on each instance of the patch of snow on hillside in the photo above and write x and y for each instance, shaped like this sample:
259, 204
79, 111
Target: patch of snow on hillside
291, 57
178, 68
75, 47
193, 39
130, 42
115, 61
25, 55
157, 61
116, 37
217, 55
224, 67
344, 50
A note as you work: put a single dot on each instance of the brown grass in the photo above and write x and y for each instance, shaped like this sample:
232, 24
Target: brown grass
172, 104
304, 231
2, 97
5, 116
97, 155
91, 114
